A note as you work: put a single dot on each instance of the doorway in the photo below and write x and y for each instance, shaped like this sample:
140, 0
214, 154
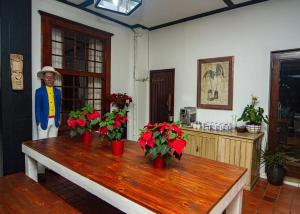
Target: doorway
284, 128
162, 95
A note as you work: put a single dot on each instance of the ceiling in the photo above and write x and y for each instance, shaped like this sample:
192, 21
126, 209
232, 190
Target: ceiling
154, 14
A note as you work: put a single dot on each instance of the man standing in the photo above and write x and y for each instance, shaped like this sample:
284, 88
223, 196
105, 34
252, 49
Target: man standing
47, 104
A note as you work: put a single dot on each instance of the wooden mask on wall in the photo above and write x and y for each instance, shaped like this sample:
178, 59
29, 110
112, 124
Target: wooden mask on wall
16, 67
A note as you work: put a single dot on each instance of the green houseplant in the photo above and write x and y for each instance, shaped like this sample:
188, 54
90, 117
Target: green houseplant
275, 162
162, 141
253, 116
82, 121
112, 127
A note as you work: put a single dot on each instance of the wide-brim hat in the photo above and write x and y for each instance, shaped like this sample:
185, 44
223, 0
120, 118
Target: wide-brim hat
46, 69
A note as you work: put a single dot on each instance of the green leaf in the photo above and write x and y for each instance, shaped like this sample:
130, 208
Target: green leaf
164, 149
156, 134
158, 142
172, 136
154, 152
110, 127
94, 122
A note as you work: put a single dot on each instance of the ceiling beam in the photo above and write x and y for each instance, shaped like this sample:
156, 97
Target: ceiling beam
86, 3
229, 3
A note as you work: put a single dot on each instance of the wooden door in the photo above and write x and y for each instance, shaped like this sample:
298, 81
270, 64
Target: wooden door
284, 126
162, 95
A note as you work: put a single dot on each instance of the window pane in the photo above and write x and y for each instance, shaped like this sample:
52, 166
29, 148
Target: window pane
91, 66
58, 81
80, 47
99, 45
97, 104
98, 67
99, 56
56, 35
91, 55
80, 65
56, 61
67, 105
69, 50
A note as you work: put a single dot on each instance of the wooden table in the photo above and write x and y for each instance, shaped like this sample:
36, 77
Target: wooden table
130, 183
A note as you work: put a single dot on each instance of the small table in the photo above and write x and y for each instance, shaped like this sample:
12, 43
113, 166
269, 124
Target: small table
130, 183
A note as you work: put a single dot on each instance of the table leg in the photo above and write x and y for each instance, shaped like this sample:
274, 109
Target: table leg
31, 168
235, 207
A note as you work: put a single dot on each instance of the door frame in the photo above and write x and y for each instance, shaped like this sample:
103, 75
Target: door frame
172, 71
276, 58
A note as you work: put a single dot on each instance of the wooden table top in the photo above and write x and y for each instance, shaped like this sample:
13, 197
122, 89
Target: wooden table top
191, 185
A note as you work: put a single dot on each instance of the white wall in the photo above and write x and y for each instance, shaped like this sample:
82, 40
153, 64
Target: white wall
249, 34
121, 44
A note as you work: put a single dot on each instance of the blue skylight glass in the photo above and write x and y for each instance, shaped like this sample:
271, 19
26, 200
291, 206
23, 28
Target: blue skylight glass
125, 7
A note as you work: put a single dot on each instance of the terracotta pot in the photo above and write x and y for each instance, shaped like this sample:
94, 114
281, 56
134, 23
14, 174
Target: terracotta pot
87, 138
158, 162
117, 147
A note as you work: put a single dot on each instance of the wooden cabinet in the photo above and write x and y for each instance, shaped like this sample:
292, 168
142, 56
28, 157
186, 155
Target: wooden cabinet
240, 149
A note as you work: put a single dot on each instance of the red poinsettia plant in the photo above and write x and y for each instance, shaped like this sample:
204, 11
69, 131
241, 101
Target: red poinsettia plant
120, 100
113, 124
163, 139
82, 121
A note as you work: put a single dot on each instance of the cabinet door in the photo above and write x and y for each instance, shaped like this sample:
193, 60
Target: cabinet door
235, 151
202, 145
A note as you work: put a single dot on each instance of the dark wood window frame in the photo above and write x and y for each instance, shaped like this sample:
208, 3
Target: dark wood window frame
49, 22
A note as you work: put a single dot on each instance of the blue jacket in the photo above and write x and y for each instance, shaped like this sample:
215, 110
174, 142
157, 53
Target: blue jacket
42, 106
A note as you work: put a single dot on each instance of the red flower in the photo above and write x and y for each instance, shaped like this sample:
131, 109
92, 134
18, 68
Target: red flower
177, 145
175, 128
151, 143
162, 127
96, 115
90, 116
142, 143
146, 136
81, 122
103, 130
123, 119
117, 123
72, 123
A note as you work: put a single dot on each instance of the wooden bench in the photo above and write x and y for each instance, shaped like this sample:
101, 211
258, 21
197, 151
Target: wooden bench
20, 194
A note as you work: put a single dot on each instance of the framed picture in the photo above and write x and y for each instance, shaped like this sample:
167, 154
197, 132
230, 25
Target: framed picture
215, 83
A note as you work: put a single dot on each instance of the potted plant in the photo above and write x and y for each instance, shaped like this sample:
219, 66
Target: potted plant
274, 162
161, 141
81, 122
120, 100
112, 127
253, 116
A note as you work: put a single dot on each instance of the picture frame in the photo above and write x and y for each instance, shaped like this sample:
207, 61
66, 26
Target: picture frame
215, 83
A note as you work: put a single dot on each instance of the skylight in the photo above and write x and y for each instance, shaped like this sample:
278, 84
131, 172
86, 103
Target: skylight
125, 7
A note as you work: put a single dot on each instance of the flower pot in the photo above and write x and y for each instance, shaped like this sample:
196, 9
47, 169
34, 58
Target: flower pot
252, 128
275, 175
117, 147
87, 138
158, 162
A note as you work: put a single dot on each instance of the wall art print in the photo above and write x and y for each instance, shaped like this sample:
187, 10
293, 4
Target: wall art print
215, 83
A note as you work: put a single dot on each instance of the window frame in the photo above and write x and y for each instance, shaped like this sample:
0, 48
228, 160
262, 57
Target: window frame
49, 22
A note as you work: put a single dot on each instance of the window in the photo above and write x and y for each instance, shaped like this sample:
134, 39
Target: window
82, 55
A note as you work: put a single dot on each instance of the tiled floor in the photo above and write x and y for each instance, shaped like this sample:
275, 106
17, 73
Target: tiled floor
263, 199
266, 198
